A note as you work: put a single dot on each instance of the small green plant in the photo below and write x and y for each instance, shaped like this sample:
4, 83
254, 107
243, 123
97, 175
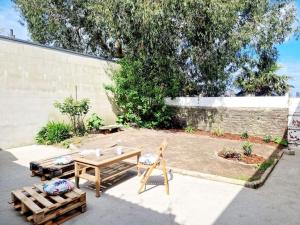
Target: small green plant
267, 138
53, 132
94, 122
247, 147
280, 141
189, 129
218, 131
244, 135
265, 165
75, 110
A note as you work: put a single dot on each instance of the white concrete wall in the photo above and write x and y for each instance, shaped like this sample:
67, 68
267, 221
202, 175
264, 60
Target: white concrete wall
33, 77
230, 102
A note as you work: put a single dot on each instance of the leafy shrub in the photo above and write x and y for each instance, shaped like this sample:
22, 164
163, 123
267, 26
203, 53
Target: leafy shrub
139, 99
218, 131
244, 135
265, 165
230, 153
189, 129
267, 138
75, 110
53, 132
94, 122
247, 146
280, 141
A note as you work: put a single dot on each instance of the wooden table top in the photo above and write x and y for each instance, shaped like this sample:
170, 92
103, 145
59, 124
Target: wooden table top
108, 156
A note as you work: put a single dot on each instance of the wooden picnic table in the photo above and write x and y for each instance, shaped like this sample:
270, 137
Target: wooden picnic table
108, 165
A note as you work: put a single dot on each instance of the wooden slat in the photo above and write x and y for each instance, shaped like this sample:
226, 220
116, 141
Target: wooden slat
117, 174
27, 201
39, 197
71, 195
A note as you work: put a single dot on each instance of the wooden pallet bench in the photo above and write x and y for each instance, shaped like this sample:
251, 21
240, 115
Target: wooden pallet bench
42, 209
46, 168
110, 128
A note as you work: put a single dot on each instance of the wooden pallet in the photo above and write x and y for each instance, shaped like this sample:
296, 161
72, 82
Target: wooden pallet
40, 208
46, 168
110, 128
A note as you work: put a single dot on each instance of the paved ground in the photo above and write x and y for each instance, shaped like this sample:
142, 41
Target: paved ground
192, 201
185, 151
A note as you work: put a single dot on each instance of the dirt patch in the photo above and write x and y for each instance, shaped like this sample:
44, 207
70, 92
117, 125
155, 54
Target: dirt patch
229, 136
236, 156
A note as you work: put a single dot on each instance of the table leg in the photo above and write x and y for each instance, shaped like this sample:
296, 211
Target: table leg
76, 174
97, 181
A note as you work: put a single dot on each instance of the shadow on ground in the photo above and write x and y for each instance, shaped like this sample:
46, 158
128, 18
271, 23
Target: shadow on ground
105, 210
277, 202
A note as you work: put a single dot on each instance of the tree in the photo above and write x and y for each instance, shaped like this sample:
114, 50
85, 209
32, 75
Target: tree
260, 79
204, 42
175, 47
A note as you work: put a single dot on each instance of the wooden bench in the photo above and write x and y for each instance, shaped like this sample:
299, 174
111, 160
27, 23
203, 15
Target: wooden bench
47, 169
40, 208
110, 128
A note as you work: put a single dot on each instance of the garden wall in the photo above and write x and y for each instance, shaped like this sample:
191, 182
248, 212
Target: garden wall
255, 115
32, 77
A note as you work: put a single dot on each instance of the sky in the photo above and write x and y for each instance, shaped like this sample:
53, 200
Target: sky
289, 52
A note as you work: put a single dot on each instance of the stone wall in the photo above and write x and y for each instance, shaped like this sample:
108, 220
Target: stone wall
256, 115
32, 77
255, 121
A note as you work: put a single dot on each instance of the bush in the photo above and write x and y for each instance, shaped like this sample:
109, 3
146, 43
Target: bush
247, 146
189, 129
267, 138
280, 141
53, 132
139, 99
218, 131
75, 110
94, 122
244, 135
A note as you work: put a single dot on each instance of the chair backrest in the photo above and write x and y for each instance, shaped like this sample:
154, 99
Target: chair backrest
162, 148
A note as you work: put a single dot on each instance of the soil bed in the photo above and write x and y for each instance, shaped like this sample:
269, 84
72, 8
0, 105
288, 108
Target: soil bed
229, 136
252, 159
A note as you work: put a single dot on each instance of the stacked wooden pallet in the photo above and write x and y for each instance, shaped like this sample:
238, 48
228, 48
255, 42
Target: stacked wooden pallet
47, 169
41, 208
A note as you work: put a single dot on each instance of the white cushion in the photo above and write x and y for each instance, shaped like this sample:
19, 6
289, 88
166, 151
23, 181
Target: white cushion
148, 159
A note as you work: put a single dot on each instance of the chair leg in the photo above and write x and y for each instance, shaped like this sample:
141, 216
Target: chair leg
146, 177
145, 173
166, 181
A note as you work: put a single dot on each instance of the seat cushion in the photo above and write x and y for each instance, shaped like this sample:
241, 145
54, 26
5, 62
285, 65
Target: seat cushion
58, 186
148, 159
63, 160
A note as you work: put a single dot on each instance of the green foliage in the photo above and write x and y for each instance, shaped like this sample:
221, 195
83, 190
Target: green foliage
94, 122
265, 165
262, 81
194, 44
280, 141
139, 100
244, 135
75, 110
218, 131
267, 138
247, 147
53, 132
189, 129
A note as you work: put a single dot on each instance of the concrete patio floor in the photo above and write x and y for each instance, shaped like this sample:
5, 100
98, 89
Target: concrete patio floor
192, 200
